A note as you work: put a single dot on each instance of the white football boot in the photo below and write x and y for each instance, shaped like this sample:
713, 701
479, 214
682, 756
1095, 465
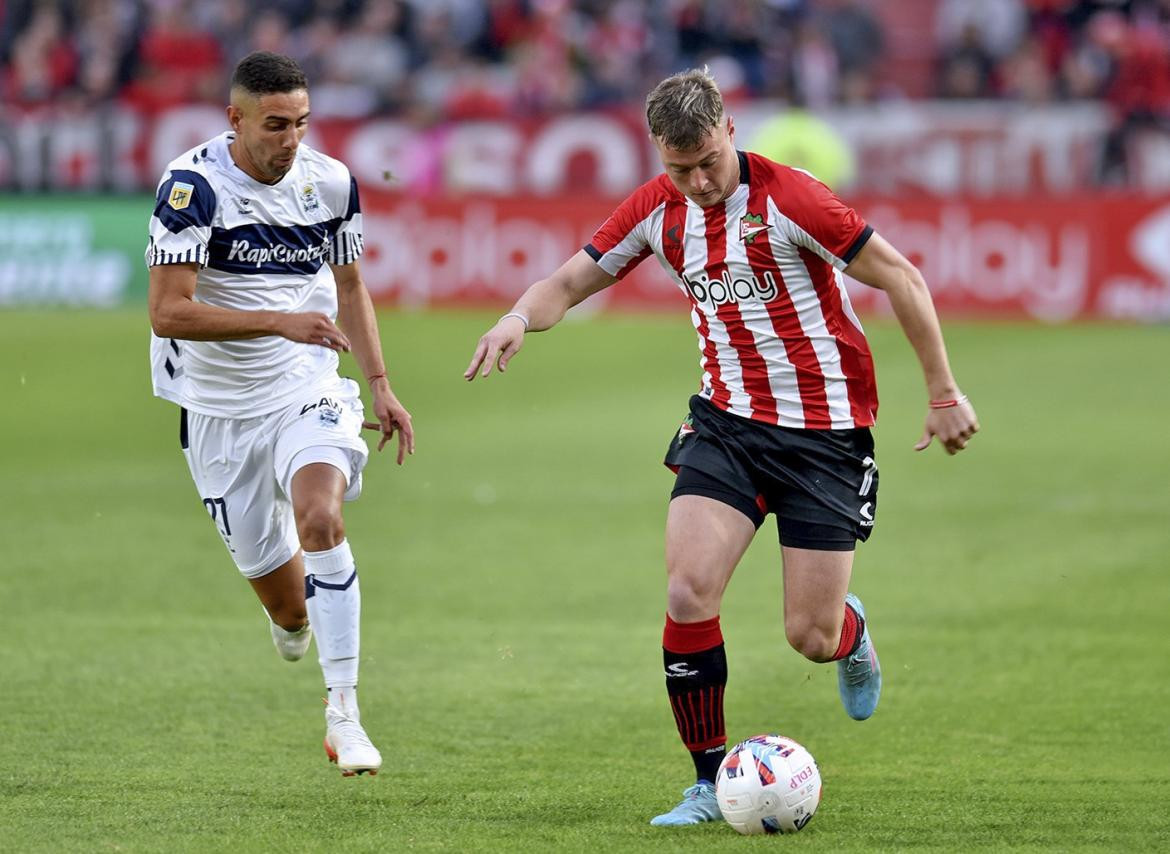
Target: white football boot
347, 744
292, 646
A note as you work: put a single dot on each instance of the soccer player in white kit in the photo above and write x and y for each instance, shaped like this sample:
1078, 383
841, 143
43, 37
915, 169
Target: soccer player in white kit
253, 256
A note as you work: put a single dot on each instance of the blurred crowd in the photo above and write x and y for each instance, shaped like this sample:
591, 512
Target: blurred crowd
466, 58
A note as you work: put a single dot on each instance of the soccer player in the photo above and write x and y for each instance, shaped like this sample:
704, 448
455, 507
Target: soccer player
253, 256
781, 423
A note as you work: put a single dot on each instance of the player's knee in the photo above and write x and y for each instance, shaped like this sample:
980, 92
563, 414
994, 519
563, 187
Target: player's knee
320, 527
690, 598
813, 641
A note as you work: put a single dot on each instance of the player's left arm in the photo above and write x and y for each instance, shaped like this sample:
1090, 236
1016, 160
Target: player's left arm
355, 317
950, 417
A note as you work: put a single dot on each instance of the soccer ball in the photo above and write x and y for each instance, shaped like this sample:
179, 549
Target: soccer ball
768, 784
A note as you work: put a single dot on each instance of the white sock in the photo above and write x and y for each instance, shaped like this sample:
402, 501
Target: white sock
334, 601
345, 699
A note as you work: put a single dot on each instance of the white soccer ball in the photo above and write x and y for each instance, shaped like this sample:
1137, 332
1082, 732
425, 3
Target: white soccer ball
768, 784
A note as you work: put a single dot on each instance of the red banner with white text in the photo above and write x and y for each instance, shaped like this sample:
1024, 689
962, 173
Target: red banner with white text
1055, 260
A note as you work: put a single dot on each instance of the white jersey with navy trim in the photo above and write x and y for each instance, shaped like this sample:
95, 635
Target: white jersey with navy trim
259, 247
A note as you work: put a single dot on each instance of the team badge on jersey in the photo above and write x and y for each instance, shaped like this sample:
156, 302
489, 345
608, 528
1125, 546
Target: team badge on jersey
309, 200
750, 226
180, 195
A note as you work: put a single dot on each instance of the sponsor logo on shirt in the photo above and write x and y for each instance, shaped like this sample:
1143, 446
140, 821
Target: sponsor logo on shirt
279, 253
717, 292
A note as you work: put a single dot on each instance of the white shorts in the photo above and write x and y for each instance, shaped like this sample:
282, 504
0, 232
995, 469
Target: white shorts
243, 468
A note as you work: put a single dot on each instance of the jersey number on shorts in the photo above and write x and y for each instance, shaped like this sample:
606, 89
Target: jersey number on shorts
217, 507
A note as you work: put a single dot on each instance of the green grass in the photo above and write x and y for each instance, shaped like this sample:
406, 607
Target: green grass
513, 589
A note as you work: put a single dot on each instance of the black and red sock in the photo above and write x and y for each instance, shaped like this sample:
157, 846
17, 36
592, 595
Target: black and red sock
851, 631
696, 674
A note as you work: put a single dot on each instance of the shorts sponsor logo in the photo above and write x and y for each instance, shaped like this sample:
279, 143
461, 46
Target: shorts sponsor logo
717, 292
325, 404
180, 195
867, 514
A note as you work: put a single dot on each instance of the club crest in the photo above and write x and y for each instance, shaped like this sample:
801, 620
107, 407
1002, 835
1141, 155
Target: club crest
309, 200
750, 226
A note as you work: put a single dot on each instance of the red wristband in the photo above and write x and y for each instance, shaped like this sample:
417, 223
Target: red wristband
948, 404
380, 376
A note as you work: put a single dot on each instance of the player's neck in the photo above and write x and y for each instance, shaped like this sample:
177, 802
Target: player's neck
240, 157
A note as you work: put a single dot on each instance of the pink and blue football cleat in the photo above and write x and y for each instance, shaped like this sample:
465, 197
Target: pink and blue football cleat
859, 676
698, 805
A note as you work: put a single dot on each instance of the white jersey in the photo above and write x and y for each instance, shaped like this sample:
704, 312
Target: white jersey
259, 247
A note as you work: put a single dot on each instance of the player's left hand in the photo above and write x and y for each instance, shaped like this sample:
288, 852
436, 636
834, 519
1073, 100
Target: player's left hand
954, 427
392, 417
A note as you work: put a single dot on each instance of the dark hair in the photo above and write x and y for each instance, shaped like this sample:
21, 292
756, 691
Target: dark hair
684, 108
264, 73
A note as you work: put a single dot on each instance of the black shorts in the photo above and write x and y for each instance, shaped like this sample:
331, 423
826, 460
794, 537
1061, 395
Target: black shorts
821, 484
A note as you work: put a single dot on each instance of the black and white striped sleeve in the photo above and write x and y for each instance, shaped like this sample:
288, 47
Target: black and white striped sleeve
180, 226
346, 245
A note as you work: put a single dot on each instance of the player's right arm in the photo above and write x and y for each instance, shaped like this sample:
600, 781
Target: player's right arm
180, 230
542, 306
174, 313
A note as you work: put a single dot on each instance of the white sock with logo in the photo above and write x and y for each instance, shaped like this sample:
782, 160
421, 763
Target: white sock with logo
334, 601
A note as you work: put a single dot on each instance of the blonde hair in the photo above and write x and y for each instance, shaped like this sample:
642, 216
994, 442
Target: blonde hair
684, 108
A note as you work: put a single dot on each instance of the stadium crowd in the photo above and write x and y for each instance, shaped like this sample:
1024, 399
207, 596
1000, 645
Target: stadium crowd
466, 58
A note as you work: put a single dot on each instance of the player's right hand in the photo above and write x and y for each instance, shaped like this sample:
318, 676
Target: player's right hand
312, 327
496, 347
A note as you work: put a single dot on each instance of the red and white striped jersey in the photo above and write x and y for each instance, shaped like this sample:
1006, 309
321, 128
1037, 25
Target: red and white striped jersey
780, 342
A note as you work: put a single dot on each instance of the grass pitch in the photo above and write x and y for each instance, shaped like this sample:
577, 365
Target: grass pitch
513, 589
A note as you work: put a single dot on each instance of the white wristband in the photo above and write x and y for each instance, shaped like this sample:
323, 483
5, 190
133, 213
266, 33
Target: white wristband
519, 316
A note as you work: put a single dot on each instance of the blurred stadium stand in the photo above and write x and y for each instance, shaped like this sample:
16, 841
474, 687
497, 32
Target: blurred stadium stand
1007, 115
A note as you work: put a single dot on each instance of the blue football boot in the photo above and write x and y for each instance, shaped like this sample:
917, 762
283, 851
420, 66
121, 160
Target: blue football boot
698, 805
859, 676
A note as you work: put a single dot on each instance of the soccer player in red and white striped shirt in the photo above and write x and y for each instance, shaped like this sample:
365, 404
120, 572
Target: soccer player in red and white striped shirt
781, 422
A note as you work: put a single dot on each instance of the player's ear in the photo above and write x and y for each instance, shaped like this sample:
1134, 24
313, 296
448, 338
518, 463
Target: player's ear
730, 128
234, 115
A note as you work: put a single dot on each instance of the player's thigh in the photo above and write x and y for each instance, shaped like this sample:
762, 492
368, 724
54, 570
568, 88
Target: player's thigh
705, 539
329, 417
231, 463
815, 584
